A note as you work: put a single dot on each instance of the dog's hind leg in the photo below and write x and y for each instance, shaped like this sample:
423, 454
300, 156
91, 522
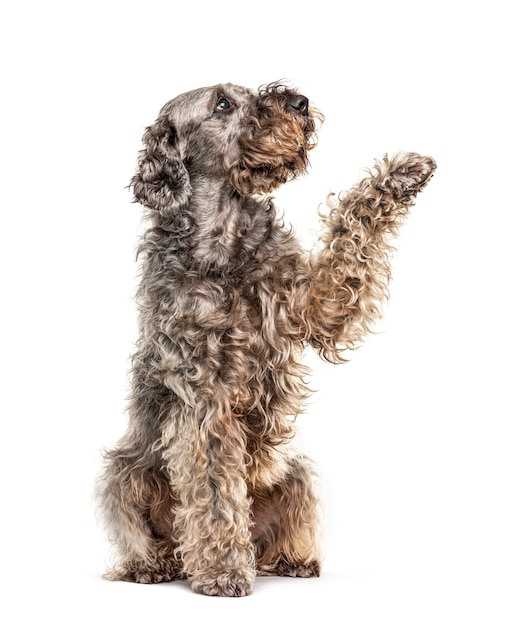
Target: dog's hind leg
285, 531
137, 508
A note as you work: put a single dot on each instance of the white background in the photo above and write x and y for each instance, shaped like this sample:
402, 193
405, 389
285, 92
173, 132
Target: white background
419, 440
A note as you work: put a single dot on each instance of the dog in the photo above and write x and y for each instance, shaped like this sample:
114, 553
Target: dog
204, 484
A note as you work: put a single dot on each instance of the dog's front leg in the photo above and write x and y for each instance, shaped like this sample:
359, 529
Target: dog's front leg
348, 279
206, 462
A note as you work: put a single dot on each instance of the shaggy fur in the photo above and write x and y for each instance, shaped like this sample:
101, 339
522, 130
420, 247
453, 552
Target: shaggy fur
203, 484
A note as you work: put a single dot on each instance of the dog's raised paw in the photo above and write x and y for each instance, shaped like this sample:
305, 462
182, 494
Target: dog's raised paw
409, 173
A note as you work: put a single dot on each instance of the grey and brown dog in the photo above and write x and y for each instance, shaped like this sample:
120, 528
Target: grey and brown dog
203, 484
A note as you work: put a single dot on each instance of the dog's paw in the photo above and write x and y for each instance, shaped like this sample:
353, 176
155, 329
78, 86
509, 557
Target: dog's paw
297, 570
407, 173
232, 584
138, 572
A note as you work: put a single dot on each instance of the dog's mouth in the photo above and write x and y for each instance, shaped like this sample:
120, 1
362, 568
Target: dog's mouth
265, 165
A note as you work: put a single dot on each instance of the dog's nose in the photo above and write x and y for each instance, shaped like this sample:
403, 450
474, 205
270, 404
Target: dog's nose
299, 103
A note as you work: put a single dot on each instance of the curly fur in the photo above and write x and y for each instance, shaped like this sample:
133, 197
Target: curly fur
204, 484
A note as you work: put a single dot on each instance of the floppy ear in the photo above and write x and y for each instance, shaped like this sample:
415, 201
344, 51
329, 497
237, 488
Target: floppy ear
162, 182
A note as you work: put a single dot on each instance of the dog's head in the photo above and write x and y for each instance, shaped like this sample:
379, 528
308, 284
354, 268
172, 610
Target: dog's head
254, 141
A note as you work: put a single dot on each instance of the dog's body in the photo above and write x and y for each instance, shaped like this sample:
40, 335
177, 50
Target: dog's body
203, 484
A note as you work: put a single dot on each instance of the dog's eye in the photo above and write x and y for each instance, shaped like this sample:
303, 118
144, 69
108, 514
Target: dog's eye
222, 104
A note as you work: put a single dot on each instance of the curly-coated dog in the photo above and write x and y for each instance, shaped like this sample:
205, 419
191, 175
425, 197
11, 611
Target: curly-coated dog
203, 485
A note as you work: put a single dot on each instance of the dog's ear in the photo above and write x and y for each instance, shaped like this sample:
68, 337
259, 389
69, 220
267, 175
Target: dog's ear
162, 182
